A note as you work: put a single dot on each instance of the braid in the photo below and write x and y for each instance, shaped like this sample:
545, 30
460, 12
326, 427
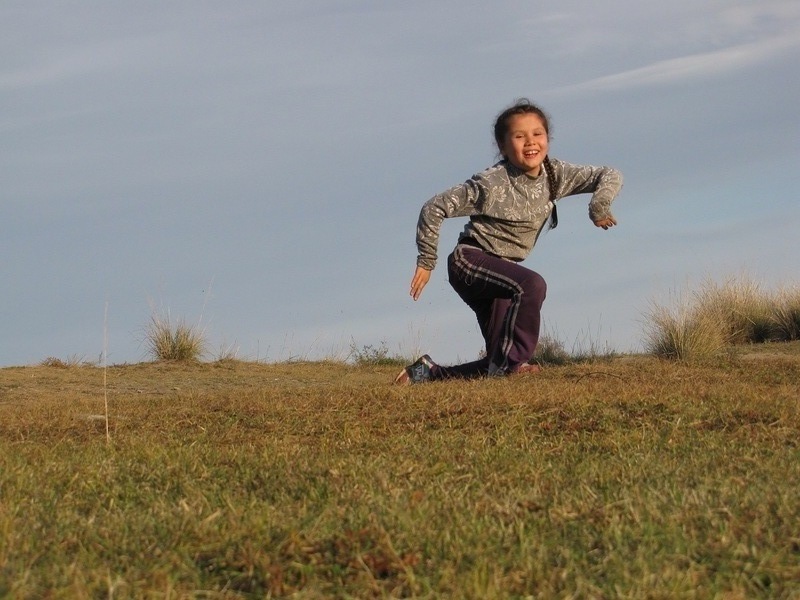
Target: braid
551, 183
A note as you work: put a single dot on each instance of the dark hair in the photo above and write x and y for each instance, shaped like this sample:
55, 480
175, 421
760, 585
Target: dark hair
524, 106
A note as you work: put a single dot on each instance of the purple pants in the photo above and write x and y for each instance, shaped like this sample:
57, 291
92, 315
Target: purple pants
507, 299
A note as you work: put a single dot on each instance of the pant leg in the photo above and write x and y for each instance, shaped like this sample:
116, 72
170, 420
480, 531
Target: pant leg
507, 299
490, 318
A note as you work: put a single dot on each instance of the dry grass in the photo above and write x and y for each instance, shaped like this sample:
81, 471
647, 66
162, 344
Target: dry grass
626, 478
787, 313
738, 311
551, 351
179, 341
684, 333
741, 307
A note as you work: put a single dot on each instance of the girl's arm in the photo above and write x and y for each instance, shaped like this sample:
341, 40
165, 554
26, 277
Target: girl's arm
604, 183
458, 201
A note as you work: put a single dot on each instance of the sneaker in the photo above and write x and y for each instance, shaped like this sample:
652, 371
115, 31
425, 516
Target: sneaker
419, 372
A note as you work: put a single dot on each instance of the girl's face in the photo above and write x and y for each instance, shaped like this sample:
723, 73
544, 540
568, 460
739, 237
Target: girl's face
526, 143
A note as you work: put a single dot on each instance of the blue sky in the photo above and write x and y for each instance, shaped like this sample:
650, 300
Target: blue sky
258, 167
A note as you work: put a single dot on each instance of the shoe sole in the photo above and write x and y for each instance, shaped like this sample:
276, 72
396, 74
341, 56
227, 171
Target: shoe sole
403, 378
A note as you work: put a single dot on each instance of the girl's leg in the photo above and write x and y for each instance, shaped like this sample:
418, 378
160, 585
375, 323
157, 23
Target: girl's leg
516, 337
507, 300
490, 318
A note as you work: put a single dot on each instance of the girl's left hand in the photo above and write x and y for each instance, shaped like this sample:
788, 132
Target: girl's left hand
419, 281
609, 221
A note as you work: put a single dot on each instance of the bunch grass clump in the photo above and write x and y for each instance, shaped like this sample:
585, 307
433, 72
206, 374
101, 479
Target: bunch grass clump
174, 341
71, 361
717, 316
744, 311
375, 355
550, 351
683, 333
787, 314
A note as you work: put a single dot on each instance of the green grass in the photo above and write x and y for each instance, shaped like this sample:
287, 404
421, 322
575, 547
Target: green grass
631, 477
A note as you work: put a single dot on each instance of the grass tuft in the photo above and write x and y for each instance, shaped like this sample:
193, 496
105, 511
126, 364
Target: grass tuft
787, 314
681, 333
743, 310
70, 362
551, 351
736, 312
374, 355
179, 341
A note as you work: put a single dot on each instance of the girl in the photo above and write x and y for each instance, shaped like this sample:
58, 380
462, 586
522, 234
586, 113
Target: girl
507, 206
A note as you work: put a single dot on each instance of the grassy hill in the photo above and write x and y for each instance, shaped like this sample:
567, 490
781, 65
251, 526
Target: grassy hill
630, 477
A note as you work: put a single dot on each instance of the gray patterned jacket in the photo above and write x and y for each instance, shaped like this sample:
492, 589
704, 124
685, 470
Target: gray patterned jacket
508, 209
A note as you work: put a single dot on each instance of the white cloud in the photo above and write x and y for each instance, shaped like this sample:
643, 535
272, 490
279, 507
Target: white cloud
80, 59
693, 67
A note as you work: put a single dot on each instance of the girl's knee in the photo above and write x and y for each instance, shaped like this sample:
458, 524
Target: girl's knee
534, 285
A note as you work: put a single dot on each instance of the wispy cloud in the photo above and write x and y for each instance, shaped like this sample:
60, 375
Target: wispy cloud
694, 67
56, 65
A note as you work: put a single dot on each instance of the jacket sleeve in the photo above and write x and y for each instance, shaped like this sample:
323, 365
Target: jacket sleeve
458, 201
604, 183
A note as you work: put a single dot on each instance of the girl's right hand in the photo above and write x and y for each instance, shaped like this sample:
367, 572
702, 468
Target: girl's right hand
419, 281
607, 222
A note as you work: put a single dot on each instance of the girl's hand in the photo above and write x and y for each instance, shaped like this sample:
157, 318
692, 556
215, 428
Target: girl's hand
609, 221
419, 281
